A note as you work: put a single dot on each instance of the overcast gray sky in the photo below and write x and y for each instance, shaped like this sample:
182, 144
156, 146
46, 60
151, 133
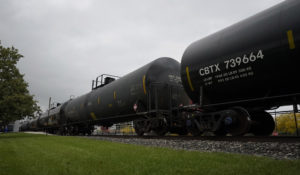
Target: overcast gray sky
67, 43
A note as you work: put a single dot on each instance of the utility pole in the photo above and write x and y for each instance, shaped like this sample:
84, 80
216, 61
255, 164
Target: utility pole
49, 106
49, 110
295, 116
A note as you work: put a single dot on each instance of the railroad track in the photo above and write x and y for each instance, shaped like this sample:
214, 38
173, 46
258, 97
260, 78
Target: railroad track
277, 147
280, 139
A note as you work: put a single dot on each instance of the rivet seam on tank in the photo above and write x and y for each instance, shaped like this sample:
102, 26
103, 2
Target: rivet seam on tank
93, 116
188, 78
291, 39
98, 100
115, 95
144, 84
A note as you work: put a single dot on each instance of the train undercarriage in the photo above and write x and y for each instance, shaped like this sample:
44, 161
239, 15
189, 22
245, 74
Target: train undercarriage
235, 122
84, 128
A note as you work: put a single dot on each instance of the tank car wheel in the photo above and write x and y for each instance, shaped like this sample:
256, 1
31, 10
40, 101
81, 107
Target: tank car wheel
88, 133
160, 132
192, 128
263, 123
195, 132
139, 127
182, 132
160, 128
238, 122
139, 132
221, 132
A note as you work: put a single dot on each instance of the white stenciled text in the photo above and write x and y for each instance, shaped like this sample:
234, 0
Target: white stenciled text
209, 69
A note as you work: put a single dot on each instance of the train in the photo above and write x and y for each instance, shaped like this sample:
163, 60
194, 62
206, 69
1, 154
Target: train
224, 84
145, 96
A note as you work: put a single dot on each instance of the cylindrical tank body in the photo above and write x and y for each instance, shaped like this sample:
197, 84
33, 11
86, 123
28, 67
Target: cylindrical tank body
255, 58
51, 119
43, 120
33, 124
116, 100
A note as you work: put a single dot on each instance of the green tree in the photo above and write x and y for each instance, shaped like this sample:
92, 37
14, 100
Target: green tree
15, 100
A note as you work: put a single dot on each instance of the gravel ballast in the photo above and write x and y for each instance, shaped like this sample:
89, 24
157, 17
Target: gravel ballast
274, 150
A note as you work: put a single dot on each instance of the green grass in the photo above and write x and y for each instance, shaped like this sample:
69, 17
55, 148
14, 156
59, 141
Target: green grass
56, 155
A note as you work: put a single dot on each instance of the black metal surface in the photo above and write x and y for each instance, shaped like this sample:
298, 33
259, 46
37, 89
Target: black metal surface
262, 123
264, 38
118, 97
